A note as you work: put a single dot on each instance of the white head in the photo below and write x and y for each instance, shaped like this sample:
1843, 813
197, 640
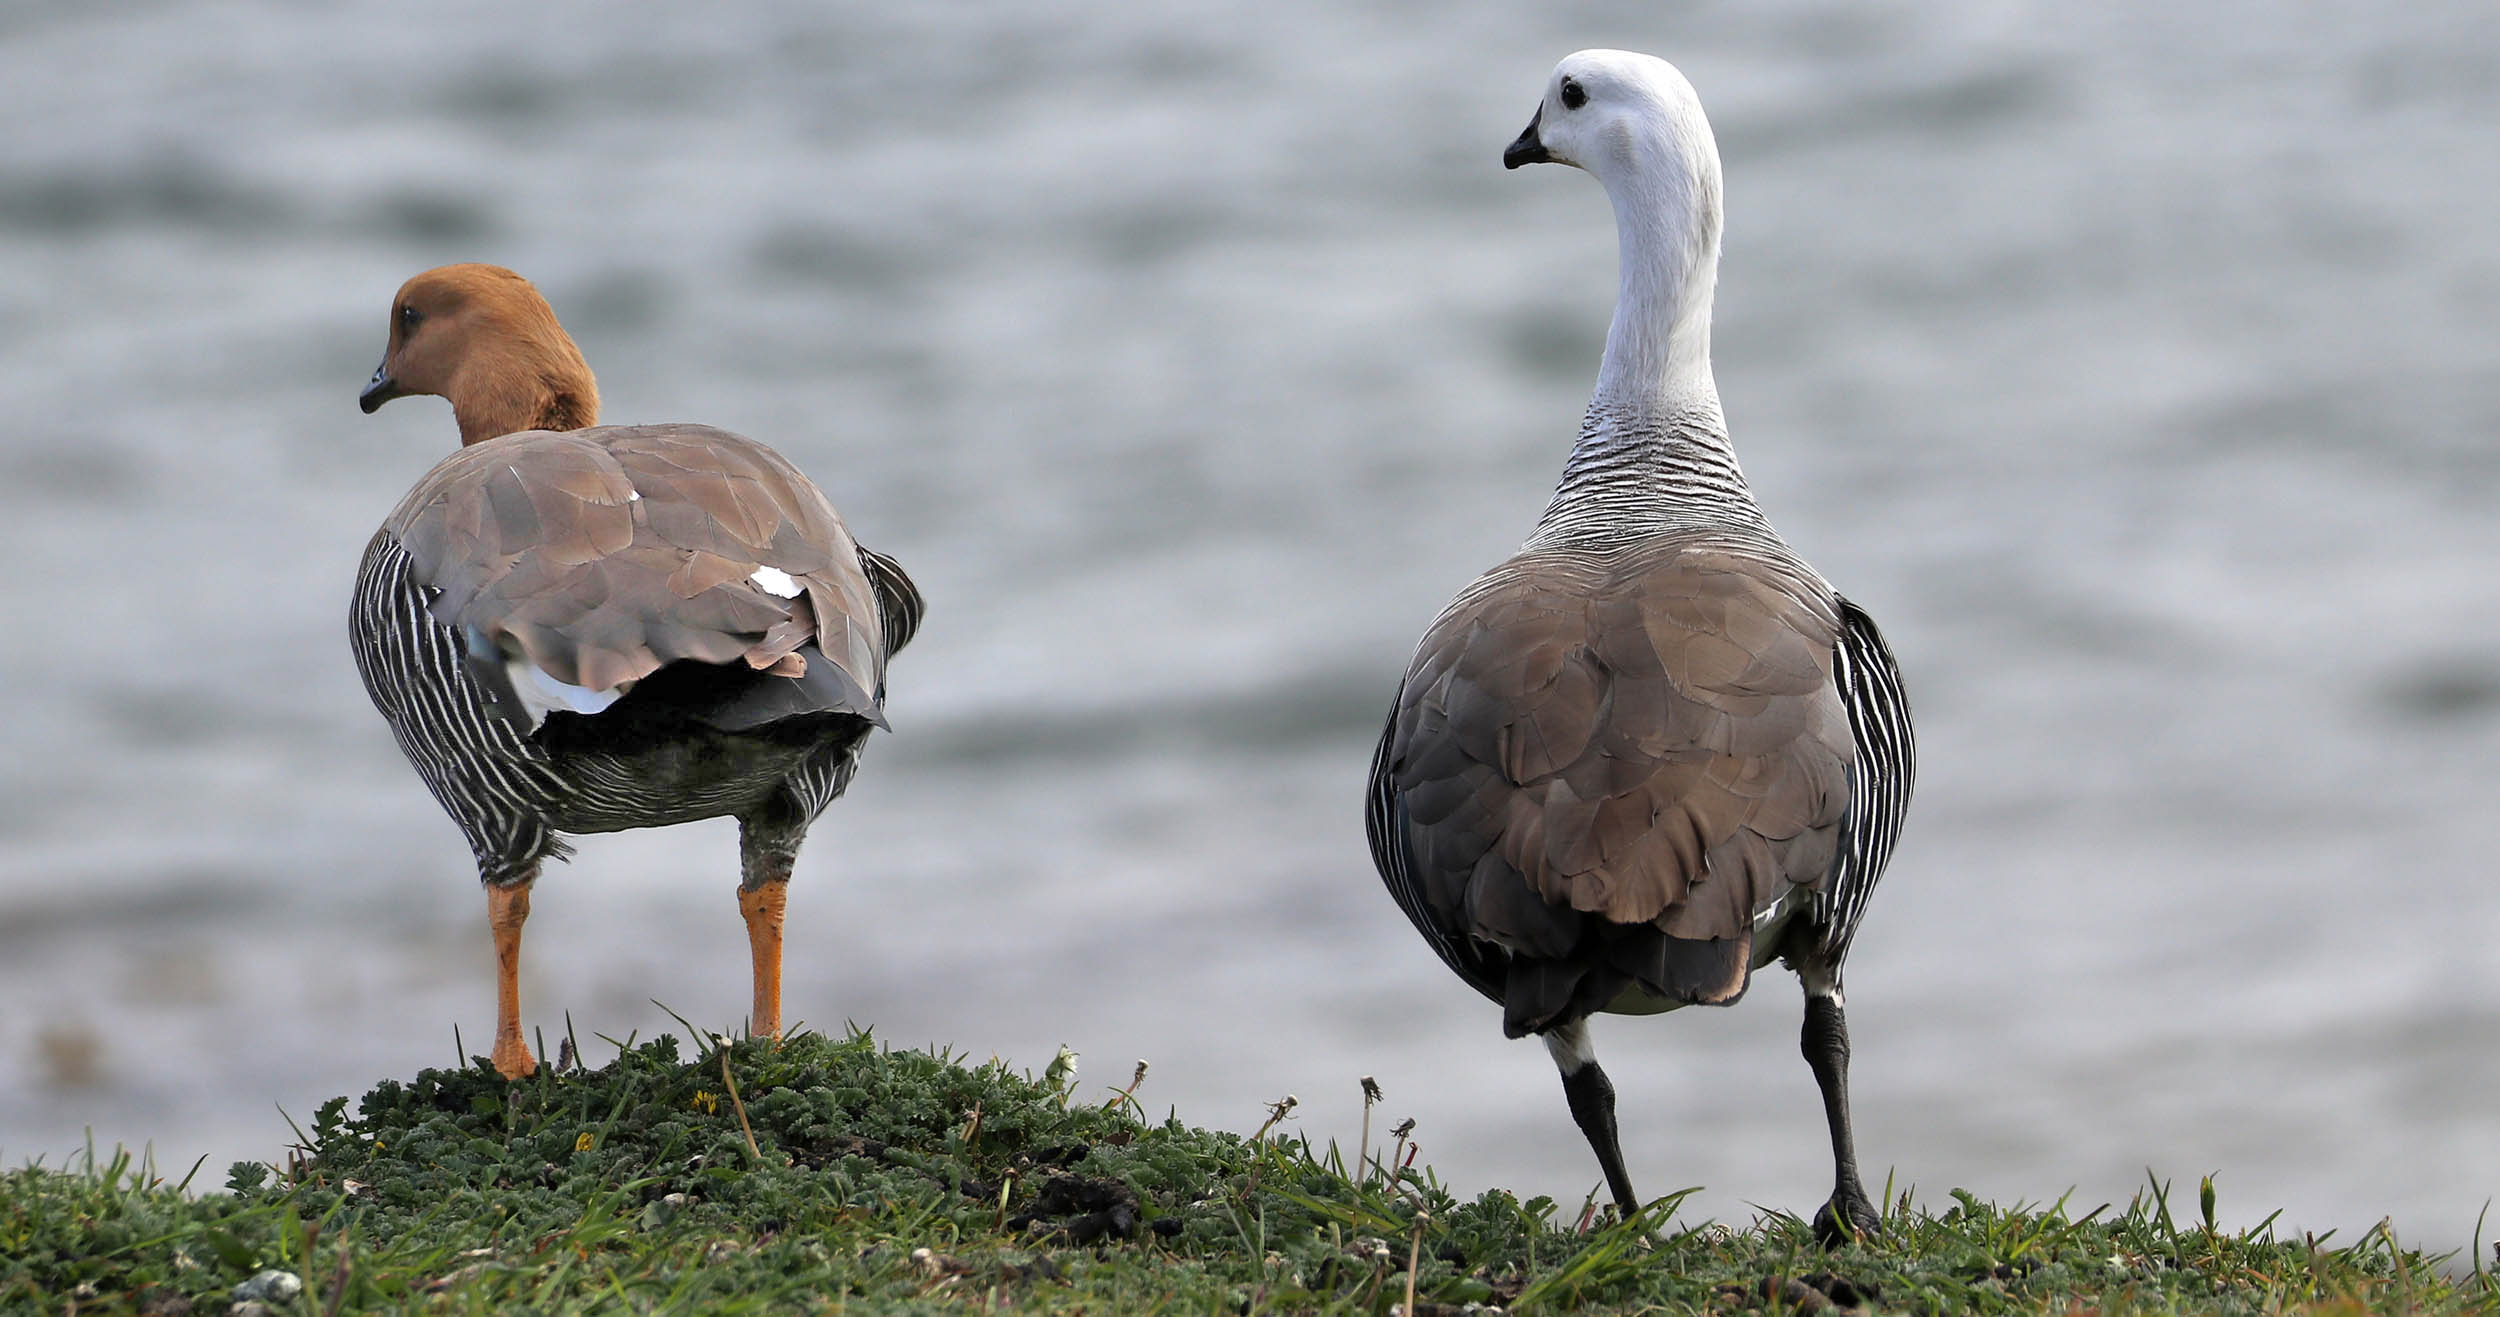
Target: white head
1618, 114
1636, 124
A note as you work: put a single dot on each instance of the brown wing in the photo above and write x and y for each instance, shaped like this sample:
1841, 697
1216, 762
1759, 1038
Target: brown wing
1605, 766
608, 552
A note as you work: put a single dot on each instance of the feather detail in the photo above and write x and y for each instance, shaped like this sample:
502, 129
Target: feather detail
601, 555
1595, 744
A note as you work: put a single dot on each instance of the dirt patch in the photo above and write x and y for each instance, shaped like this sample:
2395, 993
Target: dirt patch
1082, 1209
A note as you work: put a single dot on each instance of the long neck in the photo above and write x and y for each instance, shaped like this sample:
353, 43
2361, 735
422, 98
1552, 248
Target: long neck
549, 390
1653, 452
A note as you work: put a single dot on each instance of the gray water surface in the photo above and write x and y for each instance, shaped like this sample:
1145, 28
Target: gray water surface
2135, 366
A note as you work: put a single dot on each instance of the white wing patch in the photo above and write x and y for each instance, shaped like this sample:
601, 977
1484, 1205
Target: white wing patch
539, 693
543, 695
774, 581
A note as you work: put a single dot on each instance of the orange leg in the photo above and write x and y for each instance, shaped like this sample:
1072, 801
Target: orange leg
762, 906
506, 909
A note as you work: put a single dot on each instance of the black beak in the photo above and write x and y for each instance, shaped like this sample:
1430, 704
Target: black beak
1527, 149
378, 390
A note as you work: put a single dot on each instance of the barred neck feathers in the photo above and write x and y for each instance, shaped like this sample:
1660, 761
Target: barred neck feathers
1637, 474
1653, 452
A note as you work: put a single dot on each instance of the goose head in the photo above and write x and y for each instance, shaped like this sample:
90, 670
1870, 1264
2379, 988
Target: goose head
1636, 125
483, 338
1619, 114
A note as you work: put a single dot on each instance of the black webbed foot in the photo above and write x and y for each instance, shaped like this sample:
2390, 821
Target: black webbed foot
1846, 1219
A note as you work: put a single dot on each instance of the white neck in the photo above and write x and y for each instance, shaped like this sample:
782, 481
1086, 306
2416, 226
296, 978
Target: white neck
1653, 451
1657, 362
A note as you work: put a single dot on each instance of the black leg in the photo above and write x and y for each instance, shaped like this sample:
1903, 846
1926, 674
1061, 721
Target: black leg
1592, 1098
1825, 1042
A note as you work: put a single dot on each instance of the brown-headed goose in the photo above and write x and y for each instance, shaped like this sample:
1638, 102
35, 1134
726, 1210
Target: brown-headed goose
581, 628
1652, 750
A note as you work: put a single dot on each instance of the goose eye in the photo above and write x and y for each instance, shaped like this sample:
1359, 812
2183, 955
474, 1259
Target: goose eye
1573, 97
408, 317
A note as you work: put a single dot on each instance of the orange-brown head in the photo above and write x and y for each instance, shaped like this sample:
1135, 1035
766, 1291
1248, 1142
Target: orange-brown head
482, 337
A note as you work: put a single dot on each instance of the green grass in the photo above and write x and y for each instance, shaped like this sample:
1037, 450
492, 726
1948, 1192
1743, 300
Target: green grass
837, 1174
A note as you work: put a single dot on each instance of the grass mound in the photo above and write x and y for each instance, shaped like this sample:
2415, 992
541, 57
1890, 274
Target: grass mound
824, 1172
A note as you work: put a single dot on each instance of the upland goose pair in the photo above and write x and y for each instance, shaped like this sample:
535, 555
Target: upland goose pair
1652, 750
1636, 761
576, 628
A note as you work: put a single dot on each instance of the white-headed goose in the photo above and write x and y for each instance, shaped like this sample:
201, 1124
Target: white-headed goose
1652, 750
577, 628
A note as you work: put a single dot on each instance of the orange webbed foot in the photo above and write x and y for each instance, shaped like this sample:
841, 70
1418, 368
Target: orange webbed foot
513, 1060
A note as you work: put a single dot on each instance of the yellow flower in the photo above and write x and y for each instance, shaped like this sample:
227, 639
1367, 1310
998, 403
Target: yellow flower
586, 1142
705, 1102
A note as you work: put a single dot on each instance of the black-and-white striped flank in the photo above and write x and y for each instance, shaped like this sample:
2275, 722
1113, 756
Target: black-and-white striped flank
499, 788
510, 796
1879, 782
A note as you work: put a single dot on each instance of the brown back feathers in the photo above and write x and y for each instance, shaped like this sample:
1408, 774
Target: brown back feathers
1592, 746
608, 552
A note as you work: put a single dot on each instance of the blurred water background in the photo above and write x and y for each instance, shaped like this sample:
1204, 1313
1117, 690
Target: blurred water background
2133, 363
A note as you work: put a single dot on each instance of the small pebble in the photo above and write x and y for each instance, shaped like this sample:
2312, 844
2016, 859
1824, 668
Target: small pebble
270, 1287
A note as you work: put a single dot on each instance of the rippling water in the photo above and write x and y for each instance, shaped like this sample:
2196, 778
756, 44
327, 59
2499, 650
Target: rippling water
2135, 367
